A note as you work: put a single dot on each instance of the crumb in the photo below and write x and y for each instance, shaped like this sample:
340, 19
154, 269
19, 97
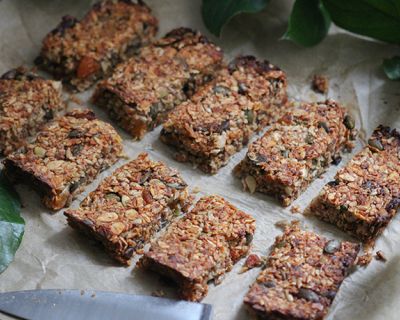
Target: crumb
364, 260
282, 224
93, 295
196, 190
320, 84
252, 261
73, 98
82, 292
380, 256
158, 293
295, 209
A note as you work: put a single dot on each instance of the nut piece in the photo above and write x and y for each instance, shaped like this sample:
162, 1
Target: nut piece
87, 67
251, 183
107, 217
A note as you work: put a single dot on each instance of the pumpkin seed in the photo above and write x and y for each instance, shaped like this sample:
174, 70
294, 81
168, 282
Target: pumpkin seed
349, 122
242, 88
308, 295
112, 195
249, 114
221, 90
39, 151
376, 144
324, 125
332, 246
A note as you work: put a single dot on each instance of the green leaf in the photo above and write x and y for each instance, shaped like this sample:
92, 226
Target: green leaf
392, 68
309, 23
216, 13
11, 223
378, 19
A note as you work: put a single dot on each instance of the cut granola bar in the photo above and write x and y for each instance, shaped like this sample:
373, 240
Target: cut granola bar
67, 154
82, 51
302, 276
144, 89
296, 149
27, 101
365, 194
130, 206
202, 246
224, 114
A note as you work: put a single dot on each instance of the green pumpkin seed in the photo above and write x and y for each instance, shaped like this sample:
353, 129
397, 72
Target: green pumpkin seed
332, 246
376, 144
349, 122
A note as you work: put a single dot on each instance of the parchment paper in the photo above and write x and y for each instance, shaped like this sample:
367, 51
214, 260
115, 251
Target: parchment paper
52, 255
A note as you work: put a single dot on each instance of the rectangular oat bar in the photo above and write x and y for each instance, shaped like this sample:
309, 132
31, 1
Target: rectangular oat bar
296, 150
82, 51
220, 118
302, 276
27, 101
202, 246
142, 91
67, 154
130, 206
365, 194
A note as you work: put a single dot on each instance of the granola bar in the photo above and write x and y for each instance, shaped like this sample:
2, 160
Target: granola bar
202, 246
27, 101
142, 91
365, 194
82, 51
130, 206
296, 149
302, 276
67, 154
224, 114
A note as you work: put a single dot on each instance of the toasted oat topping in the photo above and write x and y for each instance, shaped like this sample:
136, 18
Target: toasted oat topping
365, 194
27, 101
130, 206
223, 115
302, 276
67, 154
141, 91
202, 246
295, 150
81, 51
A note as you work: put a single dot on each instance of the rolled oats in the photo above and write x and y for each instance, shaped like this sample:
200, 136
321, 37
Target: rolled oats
59, 166
141, 91
365, 194
295, 150
224, 114
202, 246
81, 52
125, 222
300, 279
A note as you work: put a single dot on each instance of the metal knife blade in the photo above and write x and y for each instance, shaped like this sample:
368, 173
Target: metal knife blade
97, 305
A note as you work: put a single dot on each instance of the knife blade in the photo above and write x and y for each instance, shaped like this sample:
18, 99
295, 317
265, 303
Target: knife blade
97, 305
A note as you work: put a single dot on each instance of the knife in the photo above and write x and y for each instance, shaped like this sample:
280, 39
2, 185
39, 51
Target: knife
97, 305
